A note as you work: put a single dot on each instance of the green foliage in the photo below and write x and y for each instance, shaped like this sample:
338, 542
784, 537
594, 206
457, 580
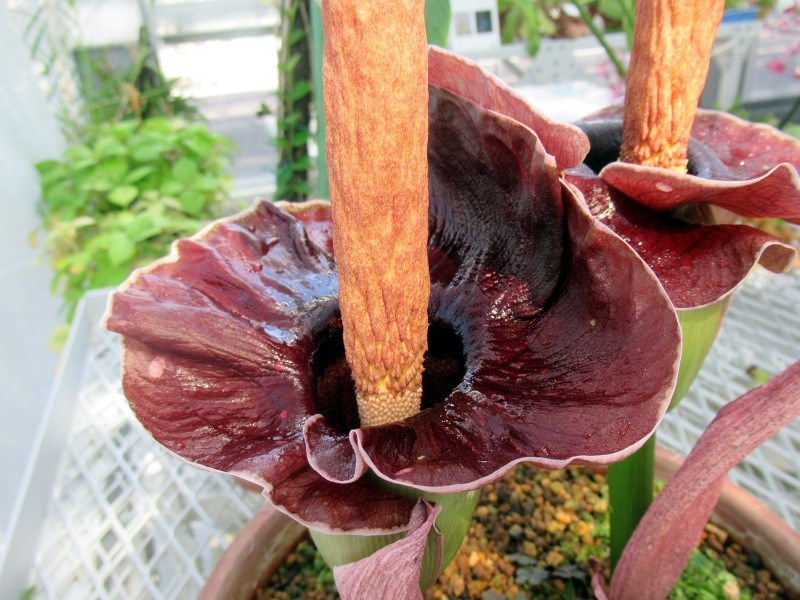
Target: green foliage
29, 593
118, 200
130, 86
617, 15
792, 129
437, 21
528, 20
531, 20
706, 578
295, 99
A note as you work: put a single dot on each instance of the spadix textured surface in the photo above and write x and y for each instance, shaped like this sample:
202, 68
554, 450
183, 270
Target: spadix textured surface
561, 344
746, 168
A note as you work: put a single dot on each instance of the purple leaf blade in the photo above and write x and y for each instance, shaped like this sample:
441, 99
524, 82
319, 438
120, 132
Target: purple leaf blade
658, 550
392, 572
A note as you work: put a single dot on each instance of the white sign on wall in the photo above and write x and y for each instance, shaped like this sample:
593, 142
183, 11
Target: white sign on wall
474, 26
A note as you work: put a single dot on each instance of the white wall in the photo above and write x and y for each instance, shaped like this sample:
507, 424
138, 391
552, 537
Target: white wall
28, 313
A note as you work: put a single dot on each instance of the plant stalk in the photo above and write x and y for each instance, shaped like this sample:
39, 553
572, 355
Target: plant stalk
630, 487
612, 55
670, 58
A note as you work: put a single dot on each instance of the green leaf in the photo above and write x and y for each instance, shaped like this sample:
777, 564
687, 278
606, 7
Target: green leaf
45, 167
300, 138
199, 147
80, 157
123, 195
142, 227
120, 249
611, 9
184, 170
192, 202
206, 183
511, 25
139, 173
304, 164
437, 21
114, 169
145, 152
290, 63
296, 36
300, 89
108, 146
171, 188
99, 183
108, 275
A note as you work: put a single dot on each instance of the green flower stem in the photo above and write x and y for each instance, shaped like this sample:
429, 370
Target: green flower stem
630, 487
699, 328
630, 481
323, 186
453, 521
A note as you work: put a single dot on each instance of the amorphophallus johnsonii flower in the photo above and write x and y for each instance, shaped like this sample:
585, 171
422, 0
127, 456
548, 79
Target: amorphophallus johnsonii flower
549, 339
746, 168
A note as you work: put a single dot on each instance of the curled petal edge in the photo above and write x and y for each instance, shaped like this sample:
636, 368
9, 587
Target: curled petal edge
317, 435
459, 76
776, 194
356, 436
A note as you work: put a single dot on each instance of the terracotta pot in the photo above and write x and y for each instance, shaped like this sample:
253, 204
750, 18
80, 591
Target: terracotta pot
270, 536
255, 554
751, 524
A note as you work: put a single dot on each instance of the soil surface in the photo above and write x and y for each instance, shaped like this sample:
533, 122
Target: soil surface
531, 537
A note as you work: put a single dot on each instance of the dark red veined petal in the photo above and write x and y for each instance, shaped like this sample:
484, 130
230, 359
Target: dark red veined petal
697, 264
464, 78
548, 307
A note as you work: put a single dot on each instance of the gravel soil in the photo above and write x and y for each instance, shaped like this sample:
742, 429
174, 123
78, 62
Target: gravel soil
531, 537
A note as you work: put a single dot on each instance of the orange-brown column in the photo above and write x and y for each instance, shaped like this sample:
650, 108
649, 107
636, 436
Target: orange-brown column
375, 74
669, 64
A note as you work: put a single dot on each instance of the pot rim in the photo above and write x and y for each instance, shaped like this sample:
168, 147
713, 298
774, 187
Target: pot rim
265, 541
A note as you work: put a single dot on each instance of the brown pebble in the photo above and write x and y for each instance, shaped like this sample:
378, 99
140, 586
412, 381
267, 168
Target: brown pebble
530, 549
458, 585
554, 558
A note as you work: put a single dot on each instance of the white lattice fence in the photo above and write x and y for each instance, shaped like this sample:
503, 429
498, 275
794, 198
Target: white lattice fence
128, 520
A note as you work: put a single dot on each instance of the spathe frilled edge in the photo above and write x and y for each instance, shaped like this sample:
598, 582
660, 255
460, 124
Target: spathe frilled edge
699, 265
464, 78
755, 172
776, 194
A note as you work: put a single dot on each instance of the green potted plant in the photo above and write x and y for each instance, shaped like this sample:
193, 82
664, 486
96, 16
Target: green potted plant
460, 306
118, 200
